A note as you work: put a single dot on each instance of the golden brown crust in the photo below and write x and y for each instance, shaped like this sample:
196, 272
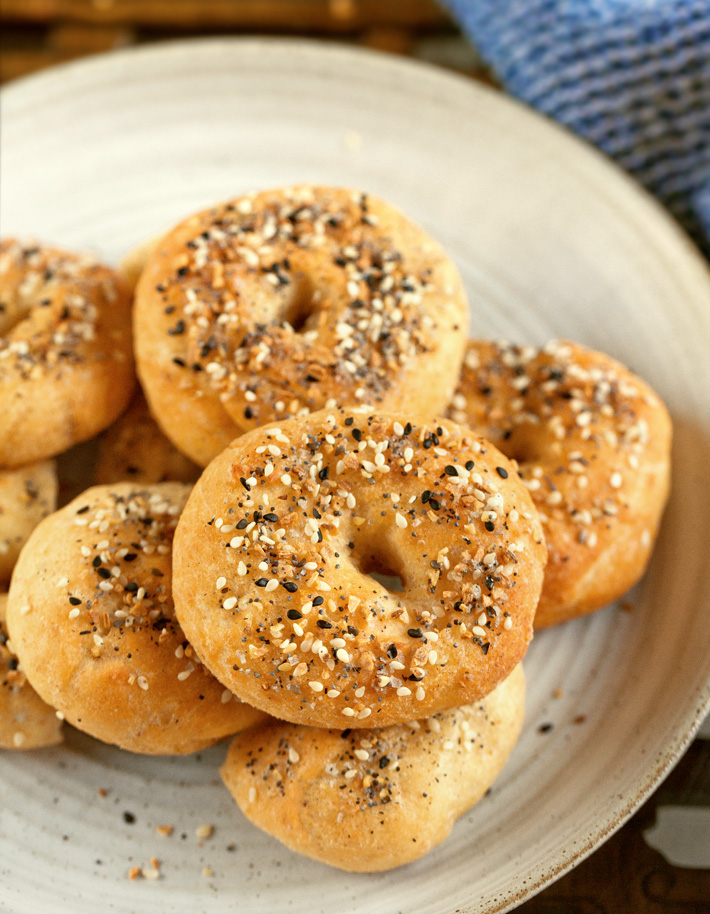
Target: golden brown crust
593, 445
282, 302
27, 495
66, 365
26, 722
273, 552
370, 800
134, 449
91, 617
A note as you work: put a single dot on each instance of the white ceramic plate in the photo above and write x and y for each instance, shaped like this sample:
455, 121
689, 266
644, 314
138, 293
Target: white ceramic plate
551, 241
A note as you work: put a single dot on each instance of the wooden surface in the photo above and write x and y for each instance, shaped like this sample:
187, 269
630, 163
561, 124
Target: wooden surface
626, 875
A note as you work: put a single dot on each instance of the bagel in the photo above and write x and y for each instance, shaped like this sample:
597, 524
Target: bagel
370, 800
66, 367
134, 449
27, 495
90, 613
275, 552
592, 442
26, 722
287, 301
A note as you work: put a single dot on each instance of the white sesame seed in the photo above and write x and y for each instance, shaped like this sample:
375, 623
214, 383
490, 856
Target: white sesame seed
230, 603
62, 582
271, 585
361, 754
293, 756
333, 693
226, 696
508, 624
403, 690
342, 655
364, 713
420, 694
143, 683
396, 665
252, 794
400, 520
616, 480
316, 686
220, 582
348, 712
204, 831
73, 613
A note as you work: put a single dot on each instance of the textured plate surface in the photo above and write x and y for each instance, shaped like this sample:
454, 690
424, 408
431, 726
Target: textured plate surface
551, 241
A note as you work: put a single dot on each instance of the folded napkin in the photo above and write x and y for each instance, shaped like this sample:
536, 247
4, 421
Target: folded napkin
631, 76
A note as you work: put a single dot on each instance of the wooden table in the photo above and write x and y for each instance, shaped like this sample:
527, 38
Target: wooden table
626, 875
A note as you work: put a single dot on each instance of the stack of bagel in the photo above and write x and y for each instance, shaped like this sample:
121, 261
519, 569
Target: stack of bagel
325, 523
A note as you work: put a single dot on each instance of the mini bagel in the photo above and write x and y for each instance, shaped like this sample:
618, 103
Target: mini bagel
134, 449
274, 551
285, 301
66, 367
27, 495
592, 442
26, 722
90, 613
370, 800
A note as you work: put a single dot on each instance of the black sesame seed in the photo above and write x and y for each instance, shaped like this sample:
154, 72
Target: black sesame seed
469, 465
96, 561
129, 818
317, 514
248, 413
414, 632
408, 428
294, 614
83, 510
324, 473
384, 762
271, 517
183, 271
317, 601
179, 362
357, 434
130, 557
262, 582
502, 472
435, 504
290, 586
485, 647
392, 651
490, 581
177, 329
103, 573
131, 587
490, 526
75, 601
323, 623
545, 728
13, 663
352, 630
349, 420
242, 523
450, 471
426, 495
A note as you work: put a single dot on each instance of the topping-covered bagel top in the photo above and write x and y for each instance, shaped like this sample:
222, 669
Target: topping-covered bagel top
288, 553
283, 301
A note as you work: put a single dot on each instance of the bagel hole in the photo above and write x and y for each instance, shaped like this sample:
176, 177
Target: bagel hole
303, 306
384, 569
391, 582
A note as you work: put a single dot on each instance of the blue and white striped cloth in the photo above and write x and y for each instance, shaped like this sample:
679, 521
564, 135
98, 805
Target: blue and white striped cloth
631, 76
